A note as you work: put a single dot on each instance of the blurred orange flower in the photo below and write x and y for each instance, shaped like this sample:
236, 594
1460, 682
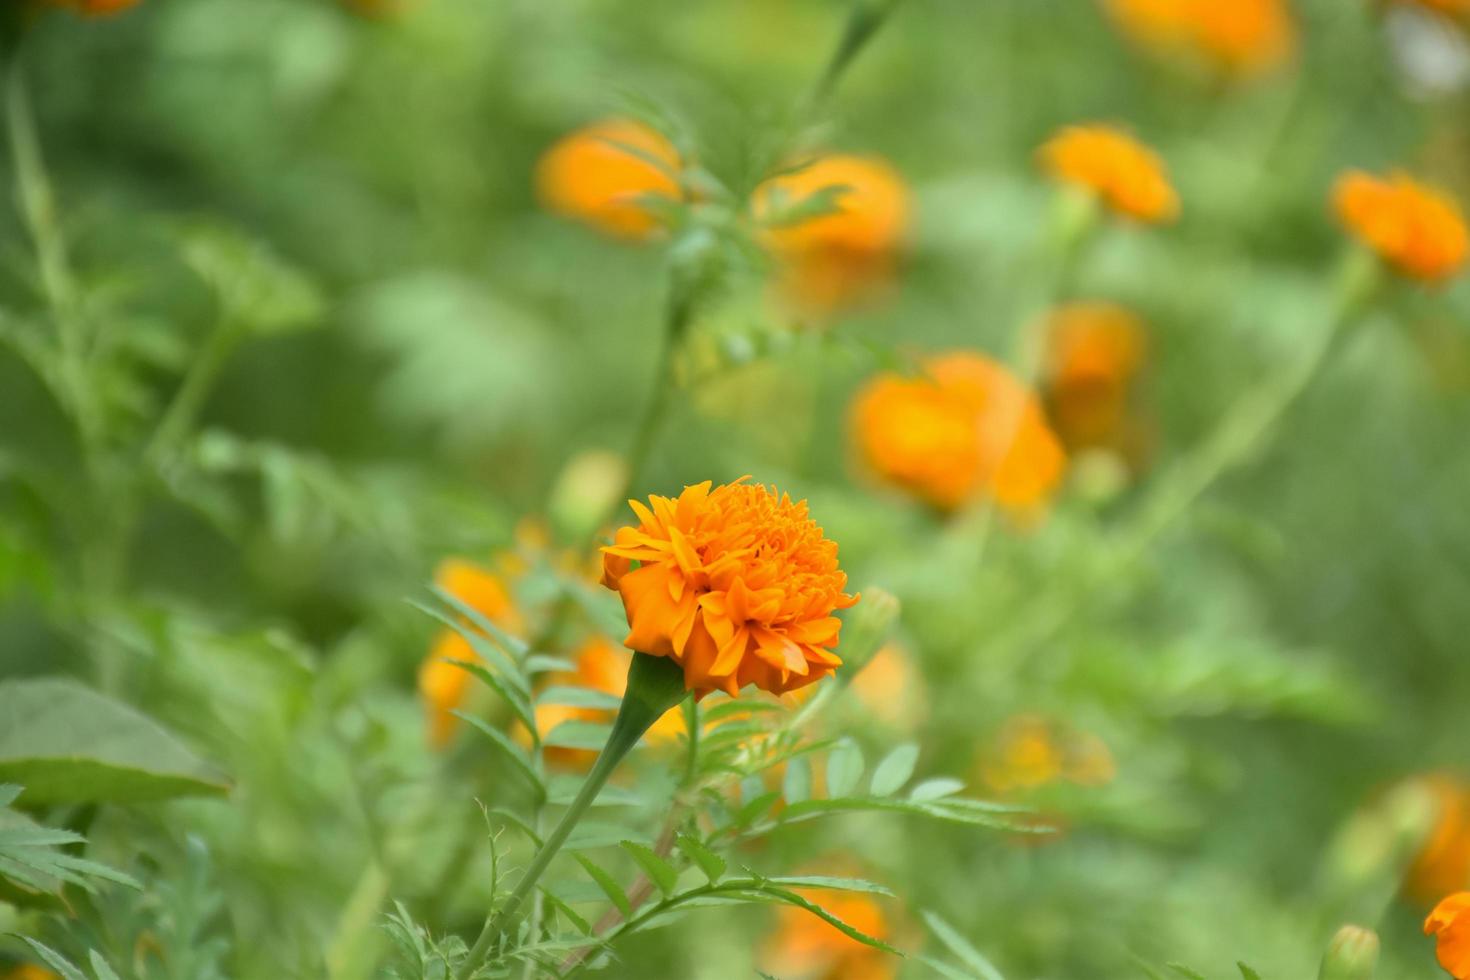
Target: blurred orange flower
964, 428
1031, 751
1449, 923
1443, 862
1094, 352
29, 971
890, 688
840, 257
1128, 176
804, 947
1239, 37
600, 666
1416, 229
96, 8
736, 584
442, 685
602, 173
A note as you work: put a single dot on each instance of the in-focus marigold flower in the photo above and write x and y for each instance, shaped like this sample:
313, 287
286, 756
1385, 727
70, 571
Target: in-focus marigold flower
735, 583
1238, 37
602, 174
1442, 864
845, 255
1449, 924
1126, 175
1094, 352
964, 428
442, 685
1416, 229
601, 666
803, 947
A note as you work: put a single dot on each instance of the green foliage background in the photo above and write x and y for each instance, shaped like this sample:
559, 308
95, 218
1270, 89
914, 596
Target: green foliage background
410, 351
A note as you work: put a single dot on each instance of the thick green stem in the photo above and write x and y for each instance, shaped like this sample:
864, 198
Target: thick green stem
655, 684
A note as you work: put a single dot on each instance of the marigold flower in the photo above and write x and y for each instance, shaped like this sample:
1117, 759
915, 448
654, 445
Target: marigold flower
96, 8
1449, 923
1032, 751
964, 428
600, 666
840, 257
803, 947
601, 173
442, 685
1416, 229
1094, 352
734, 583
30, 971
1239, 37
1442, 864
1128, 176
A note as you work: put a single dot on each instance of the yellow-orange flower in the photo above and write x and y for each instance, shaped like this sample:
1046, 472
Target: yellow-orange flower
1442, 864
1103, 160
840, 257
736, 584
804, 947
965, 428
1031, 751
442, 685
1449, 924
600, 666
1094, 352
890, 688
1239, 37
602, 174
96, 8
1417, 230
29, 971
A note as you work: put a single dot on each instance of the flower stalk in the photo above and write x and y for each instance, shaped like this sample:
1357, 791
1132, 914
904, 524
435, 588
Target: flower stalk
655, 684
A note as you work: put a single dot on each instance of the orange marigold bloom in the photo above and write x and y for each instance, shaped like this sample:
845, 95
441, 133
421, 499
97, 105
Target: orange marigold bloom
1240, 37
442, 685
804, 947
1449, 923
1094, 352
1032, 751
30, 971
600, 666
835, 259
1128, 176
600, 173
964, 428
736, 584
1443, 862
1418, 230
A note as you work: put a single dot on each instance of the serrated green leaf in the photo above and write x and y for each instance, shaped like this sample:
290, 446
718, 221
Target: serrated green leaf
66, 743
796, 785
493, 653
895, 770
52, 958
579, 923
830, 883
509, 749
509, 694
844, 768
711, 864
659, 871
791, 898
514, 646
608, 884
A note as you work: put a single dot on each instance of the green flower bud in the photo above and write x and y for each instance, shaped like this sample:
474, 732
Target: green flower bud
1352, 955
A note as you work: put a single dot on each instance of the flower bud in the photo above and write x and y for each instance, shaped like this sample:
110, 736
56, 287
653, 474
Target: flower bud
867, 627
1352, 955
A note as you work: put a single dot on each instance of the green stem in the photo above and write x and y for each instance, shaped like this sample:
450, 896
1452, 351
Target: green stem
188, 400
679, 314
655, 684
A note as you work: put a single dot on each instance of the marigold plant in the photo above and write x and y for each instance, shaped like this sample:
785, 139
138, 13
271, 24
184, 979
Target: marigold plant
610, 175
835, 226
803, 947
736, 583
1418, 230
1105, 161
962, 429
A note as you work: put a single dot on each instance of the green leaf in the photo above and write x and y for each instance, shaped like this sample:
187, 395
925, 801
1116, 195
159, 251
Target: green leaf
1185, 971
581, 924
492, 653
68, 744
512, 696
579, 697
253, 284
576, 734
511, 750
609, 886
708, 861
934, 789
512, 645
791, 898
659, 871
1246, 973
844, 768
540, 663
53, 959
831, 883
895, 770
960, 947
735, 708
796, 785
101, 967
